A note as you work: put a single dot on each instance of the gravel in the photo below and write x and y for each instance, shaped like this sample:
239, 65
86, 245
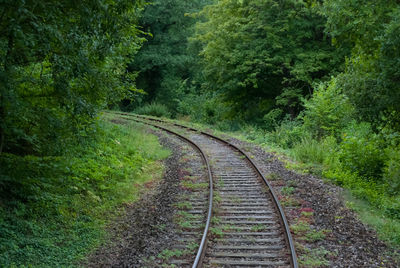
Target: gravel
350, 242
137, 236
147, 226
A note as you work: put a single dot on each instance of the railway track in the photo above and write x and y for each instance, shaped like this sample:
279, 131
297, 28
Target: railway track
248, 227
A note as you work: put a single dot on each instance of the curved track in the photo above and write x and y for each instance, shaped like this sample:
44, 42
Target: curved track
249, 228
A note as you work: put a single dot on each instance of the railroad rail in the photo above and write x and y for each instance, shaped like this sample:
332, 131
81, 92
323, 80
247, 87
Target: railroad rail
249, 228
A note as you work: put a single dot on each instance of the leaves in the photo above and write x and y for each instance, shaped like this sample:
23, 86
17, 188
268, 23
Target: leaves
166, 61
370, 30
60, 63
256, 50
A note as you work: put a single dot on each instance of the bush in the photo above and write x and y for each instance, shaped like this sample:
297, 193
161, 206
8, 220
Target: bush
328, 111
391, 172
361, 151
209, 109
312, 151
288, 134
154, 109
273, 118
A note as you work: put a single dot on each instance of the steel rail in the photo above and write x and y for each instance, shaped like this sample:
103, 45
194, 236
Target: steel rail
288, 235
201, 251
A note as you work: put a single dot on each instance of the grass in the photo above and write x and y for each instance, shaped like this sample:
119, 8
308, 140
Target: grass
312, 151
258, 228
194, 186
287, 190
154, 109
313, 257
304, 155
388, 229
54, 210
184, 205
166, 254
273, 176
185, 219
303, 231
217, 232
288, 201
217, 197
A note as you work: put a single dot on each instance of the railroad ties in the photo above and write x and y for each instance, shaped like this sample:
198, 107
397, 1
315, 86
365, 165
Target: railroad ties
246, 231
192, 205
248, 227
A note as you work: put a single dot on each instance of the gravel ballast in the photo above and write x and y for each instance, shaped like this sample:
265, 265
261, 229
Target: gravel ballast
147, 226
349, 243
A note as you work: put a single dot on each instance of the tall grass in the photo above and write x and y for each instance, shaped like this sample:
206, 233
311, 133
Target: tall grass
309, 150
154, 109
53, 210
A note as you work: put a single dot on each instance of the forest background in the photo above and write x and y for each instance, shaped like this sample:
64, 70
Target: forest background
316, 79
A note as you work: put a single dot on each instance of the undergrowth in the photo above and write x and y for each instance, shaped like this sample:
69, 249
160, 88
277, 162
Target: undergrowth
355, 163
353, 159
53, 210
154, 109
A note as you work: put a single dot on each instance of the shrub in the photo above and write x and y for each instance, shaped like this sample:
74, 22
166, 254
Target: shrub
360, 151
391, 172
288, 134
312, 151
328, 111
273, 118
154, 109
207, 108
253, 133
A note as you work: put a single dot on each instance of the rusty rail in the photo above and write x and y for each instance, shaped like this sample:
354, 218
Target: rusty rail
284, 222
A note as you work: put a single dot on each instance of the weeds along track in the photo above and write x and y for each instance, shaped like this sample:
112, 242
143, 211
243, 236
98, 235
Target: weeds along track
194, 211
248, 227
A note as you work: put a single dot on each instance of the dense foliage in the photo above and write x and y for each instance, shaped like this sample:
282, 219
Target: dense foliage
60, 171
319, 79
371, 79
60, 61
166, 63
260, 55
56, 210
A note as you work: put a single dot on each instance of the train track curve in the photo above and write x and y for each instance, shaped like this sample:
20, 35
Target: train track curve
245, 225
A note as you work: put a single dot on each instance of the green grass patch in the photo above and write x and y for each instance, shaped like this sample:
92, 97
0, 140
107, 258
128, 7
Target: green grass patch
354, 162
54, 210
154, 109
387, 228
317, 257
194, 186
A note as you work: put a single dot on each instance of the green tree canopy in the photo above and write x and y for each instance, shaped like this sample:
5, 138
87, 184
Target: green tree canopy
60, 61
166, 63
259, 54
372, 30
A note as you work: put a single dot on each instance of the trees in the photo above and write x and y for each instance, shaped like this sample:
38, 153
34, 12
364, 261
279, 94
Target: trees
371, 80
165, 62
60, 62
262, 54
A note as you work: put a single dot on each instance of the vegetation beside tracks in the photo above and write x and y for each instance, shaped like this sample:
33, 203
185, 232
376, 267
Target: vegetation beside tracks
57, 210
